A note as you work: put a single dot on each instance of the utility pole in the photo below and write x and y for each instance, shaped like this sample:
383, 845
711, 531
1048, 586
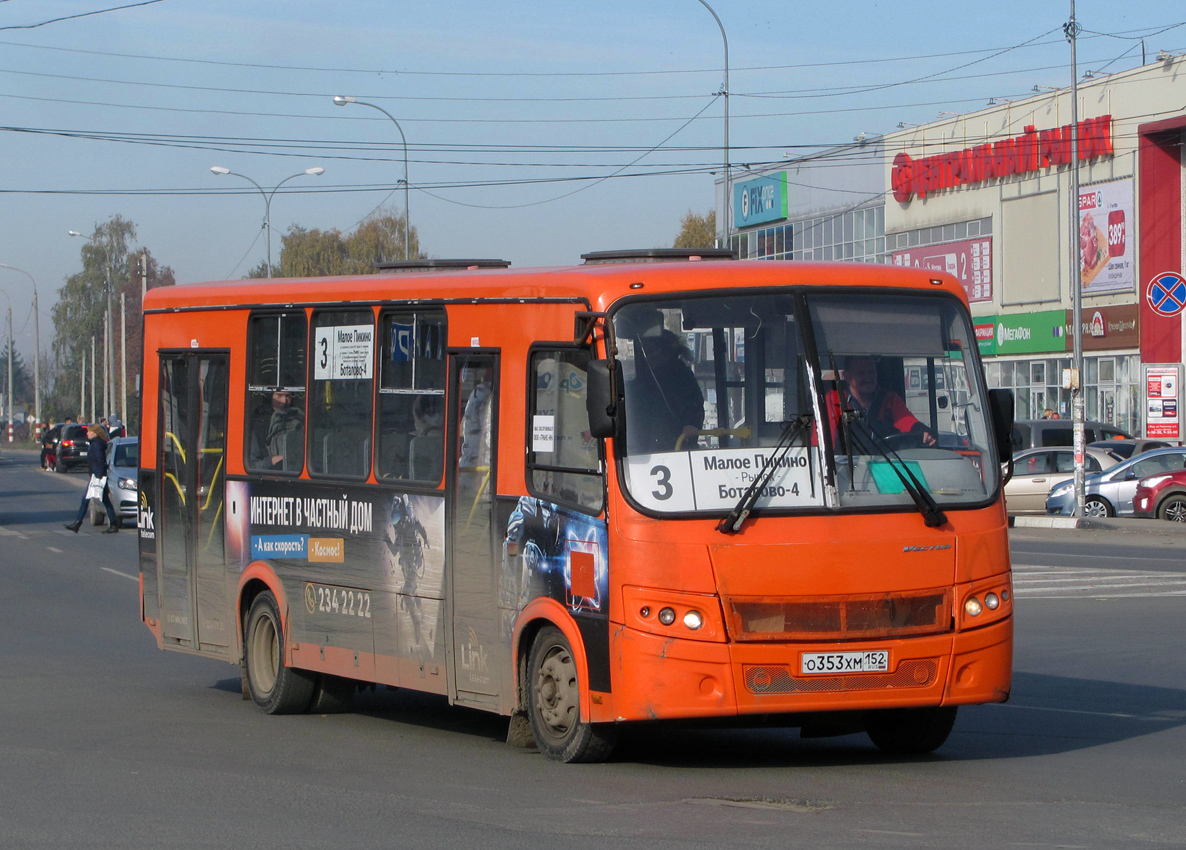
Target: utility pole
1072, 31
91, 418
123, 319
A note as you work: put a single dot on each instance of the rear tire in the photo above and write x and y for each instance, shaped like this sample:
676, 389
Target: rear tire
909, 731
554, 704
1173, 509
276, 688
1097, 508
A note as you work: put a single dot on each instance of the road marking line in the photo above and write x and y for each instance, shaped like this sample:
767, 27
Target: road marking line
8, 532
1090, 713
118, 573
52, 549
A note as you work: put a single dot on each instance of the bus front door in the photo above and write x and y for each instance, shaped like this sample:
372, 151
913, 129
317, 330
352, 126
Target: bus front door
192, 466
477, 660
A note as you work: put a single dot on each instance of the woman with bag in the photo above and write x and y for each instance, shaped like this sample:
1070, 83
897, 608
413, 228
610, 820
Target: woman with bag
96, 456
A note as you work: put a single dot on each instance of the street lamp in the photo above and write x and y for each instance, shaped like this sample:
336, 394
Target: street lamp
342, 100
725, 150
108, 342
36, 346
9, 300
316, 171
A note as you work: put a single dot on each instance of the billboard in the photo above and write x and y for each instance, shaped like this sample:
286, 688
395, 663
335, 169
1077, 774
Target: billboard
1106, 251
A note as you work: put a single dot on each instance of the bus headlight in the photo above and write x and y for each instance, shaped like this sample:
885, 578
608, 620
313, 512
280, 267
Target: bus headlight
972, 607
693, 620
991, 601
667, 616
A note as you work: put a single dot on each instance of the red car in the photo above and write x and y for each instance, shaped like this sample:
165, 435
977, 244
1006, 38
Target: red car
1162, 496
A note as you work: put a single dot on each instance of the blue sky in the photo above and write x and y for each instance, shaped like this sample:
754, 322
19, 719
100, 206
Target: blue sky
513, 113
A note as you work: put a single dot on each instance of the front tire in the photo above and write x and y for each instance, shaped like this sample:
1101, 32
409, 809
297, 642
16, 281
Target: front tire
909, 731
554, 704
1097, 508
98, 513
59, 464
1173, 509
276, 688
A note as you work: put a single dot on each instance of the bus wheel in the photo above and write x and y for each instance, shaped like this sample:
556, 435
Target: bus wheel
909, 731
554, 704
276, 689
332, 695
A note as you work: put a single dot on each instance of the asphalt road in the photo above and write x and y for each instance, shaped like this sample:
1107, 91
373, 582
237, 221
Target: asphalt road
106, 741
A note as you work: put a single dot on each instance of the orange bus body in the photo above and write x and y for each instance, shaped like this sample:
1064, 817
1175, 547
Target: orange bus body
343, 616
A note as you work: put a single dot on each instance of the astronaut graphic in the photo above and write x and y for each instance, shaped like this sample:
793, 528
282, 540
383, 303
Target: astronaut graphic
554, 552
404, 545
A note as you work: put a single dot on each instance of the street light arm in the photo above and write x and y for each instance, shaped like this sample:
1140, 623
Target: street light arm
725, 93
343, 100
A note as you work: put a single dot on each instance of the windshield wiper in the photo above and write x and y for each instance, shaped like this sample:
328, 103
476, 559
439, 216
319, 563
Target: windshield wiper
932, 515
791, 431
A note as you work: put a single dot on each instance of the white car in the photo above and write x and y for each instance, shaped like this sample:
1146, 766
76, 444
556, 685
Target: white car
1036, 471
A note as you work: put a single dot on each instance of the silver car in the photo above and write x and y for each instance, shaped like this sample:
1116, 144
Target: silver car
1110, 493
1036, 471
123, 474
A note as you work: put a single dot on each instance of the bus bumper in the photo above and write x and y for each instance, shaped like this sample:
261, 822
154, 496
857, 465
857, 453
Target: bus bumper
665, 678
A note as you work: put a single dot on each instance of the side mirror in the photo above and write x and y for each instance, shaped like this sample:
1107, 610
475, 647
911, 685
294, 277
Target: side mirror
1000, 410
600, 401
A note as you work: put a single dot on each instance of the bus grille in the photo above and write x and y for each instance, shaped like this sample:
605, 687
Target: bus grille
776, 679
841, 617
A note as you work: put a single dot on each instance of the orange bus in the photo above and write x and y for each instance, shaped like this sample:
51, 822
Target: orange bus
654, 486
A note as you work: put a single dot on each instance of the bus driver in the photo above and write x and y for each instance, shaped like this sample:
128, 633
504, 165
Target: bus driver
883, 410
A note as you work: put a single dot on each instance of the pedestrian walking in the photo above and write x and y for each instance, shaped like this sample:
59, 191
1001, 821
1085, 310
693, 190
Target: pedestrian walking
96, 456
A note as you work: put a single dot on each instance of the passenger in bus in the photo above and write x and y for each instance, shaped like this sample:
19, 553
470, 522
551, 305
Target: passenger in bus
284, 439
664, 402
883, 410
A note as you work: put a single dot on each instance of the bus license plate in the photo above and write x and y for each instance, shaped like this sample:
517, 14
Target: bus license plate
816, 663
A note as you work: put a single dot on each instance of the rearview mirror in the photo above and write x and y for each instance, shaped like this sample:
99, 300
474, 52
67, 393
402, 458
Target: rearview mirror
600, 402
1000, 409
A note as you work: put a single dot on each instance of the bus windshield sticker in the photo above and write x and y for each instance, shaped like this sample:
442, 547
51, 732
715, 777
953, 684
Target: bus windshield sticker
343, 353
715, 480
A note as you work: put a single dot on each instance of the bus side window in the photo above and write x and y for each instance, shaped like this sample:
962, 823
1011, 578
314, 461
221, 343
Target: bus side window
340, 398
410, 433
564, 463
275, 436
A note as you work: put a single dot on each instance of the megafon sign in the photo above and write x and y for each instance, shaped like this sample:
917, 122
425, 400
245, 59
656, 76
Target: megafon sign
1032, 151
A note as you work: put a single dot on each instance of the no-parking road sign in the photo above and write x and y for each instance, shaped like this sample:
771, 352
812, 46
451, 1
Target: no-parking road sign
1167, 294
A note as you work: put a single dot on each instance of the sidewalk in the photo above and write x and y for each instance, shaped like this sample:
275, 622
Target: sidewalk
1144, 527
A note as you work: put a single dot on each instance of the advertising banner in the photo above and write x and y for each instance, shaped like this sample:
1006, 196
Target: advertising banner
1163, 417
1031, 333
969, 260
1106, 252
760, 201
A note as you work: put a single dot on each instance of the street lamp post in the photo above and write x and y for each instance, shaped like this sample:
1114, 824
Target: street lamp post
342, 100
725, 149
218, 170
108, 348
36, 346
9, 300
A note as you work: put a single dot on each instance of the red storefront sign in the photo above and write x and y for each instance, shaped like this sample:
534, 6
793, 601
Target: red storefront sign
970, 260
1029, 152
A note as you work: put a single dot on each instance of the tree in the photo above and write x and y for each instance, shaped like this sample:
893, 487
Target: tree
78, 317
22, 380
697, 231
319, 253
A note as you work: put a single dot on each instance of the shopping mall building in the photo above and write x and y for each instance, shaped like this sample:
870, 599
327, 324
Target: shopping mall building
986, 196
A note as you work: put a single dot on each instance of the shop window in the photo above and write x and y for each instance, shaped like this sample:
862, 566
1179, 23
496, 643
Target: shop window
562, 459
341, 395
410, 437
276, 392
1038, 372
1107, 370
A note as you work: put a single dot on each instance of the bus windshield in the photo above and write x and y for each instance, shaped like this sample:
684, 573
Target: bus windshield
804, 400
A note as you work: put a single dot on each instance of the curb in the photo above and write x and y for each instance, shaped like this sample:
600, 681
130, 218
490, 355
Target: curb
1147, 527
